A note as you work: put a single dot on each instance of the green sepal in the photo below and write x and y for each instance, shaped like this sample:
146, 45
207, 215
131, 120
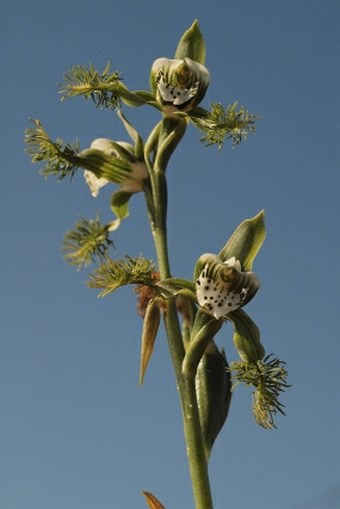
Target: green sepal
134, 135
213, 390
120, 207
192, 45
173, 286
132, 99
246, 241
246, 336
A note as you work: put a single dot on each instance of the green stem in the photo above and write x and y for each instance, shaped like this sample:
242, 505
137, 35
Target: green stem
158, 148
187, 390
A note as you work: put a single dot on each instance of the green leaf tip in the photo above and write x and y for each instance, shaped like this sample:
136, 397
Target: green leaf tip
192, 45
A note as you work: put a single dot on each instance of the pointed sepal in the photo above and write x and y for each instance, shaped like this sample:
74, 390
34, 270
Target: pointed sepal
192, 45
246, 241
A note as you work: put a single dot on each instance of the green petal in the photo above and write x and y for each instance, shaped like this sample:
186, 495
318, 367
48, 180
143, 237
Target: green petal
246, 337
246, 241
134, 135
120, 207
192, 45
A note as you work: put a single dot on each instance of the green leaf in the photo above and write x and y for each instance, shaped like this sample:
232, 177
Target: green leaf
246, 336
246, 241
192, 45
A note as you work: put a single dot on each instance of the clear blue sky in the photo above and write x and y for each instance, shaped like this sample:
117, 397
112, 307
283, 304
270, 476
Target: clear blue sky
77, 431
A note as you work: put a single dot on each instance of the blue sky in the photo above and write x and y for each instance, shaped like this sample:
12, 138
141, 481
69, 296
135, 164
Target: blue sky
77, 430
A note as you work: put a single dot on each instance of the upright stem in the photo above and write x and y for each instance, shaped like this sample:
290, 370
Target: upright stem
157, 150
185, 382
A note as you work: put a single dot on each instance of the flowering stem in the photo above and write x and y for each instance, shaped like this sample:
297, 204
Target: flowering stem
186, 386
185, 382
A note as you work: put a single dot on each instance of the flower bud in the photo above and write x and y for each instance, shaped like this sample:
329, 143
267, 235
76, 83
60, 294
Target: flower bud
179, 84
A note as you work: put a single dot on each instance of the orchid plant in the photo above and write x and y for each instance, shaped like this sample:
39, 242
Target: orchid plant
195, 309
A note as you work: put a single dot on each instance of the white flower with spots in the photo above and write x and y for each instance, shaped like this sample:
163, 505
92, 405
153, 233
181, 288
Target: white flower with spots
222, 287
179, 84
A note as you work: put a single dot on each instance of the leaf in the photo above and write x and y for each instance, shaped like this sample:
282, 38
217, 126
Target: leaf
149, 333
246, 241
152, 501
192, 45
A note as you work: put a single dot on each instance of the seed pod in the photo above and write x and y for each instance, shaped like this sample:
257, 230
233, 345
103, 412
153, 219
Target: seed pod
213, 389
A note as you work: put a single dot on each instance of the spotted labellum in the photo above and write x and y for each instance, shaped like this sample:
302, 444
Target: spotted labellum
179, 84
222, 287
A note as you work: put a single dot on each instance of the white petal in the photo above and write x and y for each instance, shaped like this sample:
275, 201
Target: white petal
214, 296
94, 183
